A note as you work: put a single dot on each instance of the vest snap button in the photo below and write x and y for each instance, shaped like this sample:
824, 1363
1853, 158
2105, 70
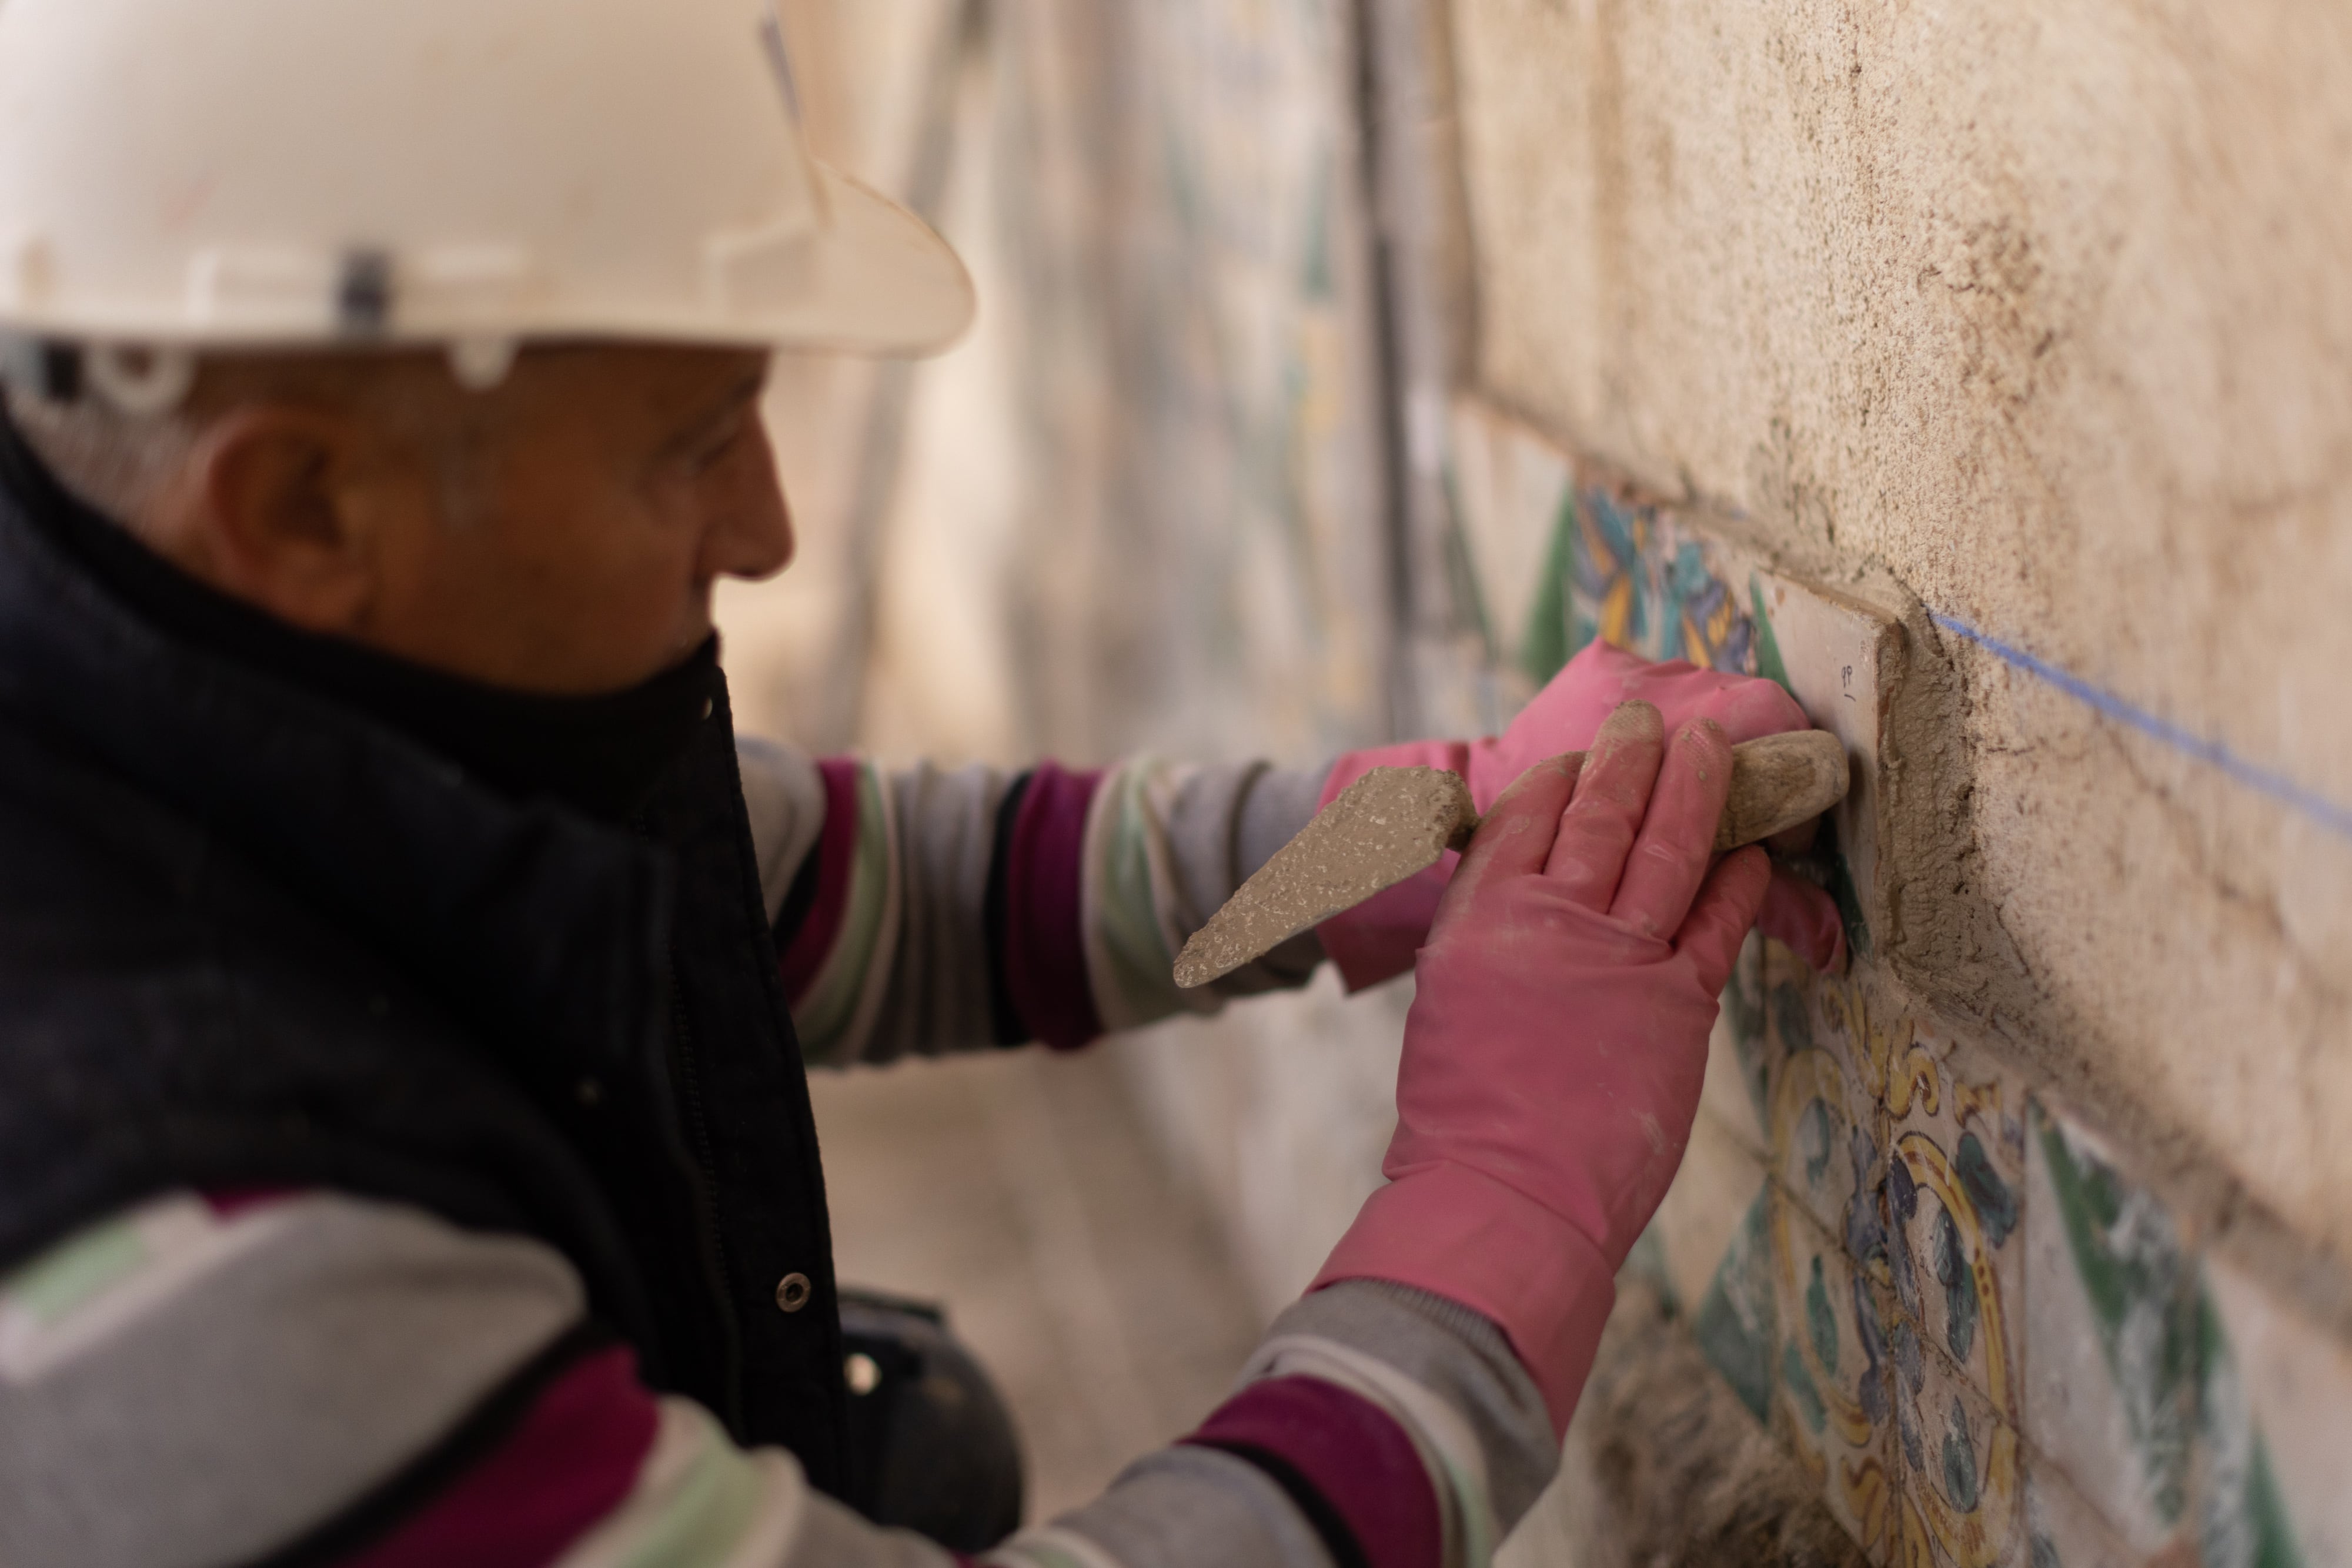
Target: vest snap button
793, 1292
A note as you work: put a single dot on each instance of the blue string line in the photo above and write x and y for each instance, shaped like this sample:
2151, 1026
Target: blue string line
2335, 818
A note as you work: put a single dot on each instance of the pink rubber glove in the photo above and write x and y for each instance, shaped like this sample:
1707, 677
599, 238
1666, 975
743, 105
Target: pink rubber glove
1375, 940
1554, 1052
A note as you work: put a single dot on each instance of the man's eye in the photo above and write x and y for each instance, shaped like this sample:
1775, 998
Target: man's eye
714, 449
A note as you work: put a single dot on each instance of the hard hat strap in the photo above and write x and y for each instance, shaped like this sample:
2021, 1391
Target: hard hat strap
139, 379
142, 382
42, 368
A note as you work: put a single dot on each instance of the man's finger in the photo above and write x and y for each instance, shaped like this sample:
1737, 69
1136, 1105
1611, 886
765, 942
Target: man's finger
1515, 838
1719, 918
1669, 859
1751, 709
1588, 857
1804, 919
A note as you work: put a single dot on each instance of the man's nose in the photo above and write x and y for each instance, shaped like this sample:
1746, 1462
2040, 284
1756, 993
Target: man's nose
751, 536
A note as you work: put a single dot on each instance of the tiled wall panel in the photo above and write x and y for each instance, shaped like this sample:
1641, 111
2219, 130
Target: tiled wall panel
1986, 1340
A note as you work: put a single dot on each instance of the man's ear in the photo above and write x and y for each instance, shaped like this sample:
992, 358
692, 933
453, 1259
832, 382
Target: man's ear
278, 518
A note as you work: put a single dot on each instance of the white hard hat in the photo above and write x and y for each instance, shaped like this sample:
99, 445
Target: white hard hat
185, 174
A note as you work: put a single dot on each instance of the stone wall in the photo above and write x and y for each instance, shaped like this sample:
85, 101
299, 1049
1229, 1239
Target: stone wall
2030, 325
2041, 312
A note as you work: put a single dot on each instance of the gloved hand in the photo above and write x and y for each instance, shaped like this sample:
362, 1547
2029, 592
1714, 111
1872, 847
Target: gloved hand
1375, 941
1555, 1048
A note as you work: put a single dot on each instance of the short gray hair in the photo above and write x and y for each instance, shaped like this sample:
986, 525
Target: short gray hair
121, 461
116, 462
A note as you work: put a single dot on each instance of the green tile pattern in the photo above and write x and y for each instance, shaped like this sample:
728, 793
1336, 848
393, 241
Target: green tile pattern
1735, 1322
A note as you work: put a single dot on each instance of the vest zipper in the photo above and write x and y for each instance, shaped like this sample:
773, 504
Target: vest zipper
704, 1179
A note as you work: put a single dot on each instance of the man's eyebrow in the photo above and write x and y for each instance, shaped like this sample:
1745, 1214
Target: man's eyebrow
747, 388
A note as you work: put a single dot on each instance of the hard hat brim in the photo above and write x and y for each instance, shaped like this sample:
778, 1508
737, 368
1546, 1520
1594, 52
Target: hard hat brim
872, 277
885, 281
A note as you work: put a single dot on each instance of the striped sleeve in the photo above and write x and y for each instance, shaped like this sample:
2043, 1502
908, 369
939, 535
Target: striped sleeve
922, 911
311, 1378
1376, 1426
209, 1380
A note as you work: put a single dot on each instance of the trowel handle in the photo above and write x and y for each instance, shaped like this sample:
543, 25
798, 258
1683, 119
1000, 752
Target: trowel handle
1777, 783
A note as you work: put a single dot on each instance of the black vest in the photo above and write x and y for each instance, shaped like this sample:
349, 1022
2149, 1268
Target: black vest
249, 938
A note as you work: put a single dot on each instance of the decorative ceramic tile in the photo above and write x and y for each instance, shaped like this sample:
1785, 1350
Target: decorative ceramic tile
1511, 491
2275, 1431
2061, 1531
2110, 1334
1955, 1201
1832, 1383
1823, 1112
1718, 1182
1713, 1245
1840, 658
1737, 1322
1960, 1466
1741, 1056
1641, 578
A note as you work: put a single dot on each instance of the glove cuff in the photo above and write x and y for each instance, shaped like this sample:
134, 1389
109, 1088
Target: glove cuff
1455, 1233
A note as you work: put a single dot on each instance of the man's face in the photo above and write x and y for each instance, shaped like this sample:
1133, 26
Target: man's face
598, 495
559, 533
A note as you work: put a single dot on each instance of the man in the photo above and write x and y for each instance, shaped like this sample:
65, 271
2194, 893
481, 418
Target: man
405, 977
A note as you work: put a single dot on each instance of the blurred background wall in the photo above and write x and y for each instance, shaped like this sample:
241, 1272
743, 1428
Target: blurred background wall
1345, 363
1146, 508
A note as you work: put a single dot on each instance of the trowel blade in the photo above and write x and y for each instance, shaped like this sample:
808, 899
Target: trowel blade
1392, 823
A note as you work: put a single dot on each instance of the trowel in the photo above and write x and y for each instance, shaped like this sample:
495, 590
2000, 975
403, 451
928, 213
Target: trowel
1396, 822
